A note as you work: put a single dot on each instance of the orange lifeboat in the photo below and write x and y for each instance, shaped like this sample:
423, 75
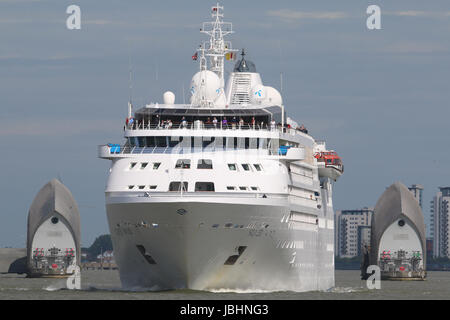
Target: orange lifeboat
330, 164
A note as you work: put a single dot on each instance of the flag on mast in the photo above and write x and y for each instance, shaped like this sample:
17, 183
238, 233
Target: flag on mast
230, 56
195, 56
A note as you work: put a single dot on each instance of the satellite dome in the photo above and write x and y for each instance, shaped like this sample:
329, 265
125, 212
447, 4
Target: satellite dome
169, 97
244, 65
258, 93
205, 85
273, 97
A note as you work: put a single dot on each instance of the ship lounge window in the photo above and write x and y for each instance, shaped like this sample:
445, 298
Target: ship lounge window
176, 186
246, 166
150, 142
156, 165
183, 164
204, 186
257, 167
161, 142
232, 166
141, 142
204, 164
174, 141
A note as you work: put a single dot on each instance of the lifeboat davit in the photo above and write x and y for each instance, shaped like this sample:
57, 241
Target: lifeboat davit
329, 164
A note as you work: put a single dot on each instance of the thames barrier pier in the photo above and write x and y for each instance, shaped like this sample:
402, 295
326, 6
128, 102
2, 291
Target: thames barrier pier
398, 236
53, 234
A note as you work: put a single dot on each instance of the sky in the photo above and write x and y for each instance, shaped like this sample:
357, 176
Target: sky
378, 97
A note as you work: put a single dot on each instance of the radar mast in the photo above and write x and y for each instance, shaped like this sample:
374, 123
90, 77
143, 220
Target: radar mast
217, 48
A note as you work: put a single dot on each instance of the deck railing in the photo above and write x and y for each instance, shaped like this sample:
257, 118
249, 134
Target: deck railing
200, 125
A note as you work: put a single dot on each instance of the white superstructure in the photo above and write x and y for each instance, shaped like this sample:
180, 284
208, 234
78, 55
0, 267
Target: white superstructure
221, 193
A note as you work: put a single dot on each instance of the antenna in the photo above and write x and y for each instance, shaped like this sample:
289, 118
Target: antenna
217, 49
281, 82
130, 83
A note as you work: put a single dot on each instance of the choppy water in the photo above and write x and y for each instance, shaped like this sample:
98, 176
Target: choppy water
105, 285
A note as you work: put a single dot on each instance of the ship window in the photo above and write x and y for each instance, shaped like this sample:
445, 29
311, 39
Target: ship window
156, 165
141, 187
176, 186
232, 166
204, 164
204, 186
54, 220
257, 167
254, 188
161, 142
132, 165
144, 165
231, 188
174, 141
150, 141
152, 187
130, 187
141, 142
242, 188
208, 142
246, 167
183, 164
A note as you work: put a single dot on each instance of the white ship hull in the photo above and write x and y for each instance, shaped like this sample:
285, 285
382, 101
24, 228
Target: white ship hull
220, 193
189, 241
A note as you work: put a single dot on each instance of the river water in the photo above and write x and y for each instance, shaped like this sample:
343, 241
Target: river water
105, 285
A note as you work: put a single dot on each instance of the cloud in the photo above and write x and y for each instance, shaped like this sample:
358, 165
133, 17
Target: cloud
417, 13
292, 15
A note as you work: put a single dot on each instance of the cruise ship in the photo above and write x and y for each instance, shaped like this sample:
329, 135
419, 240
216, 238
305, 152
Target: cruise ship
222, 193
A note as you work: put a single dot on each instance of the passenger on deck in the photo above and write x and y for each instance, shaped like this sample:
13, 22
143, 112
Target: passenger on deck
241, 123
253, 122
183, 122
224, 122
272, 125
215, 122
303, 129
233, 123
208, 122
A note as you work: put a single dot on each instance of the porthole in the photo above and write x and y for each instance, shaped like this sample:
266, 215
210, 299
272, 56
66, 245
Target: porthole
54, 220
401, 222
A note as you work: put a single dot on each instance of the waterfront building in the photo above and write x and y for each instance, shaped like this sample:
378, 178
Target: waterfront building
352, 231
417, 191
440, 222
